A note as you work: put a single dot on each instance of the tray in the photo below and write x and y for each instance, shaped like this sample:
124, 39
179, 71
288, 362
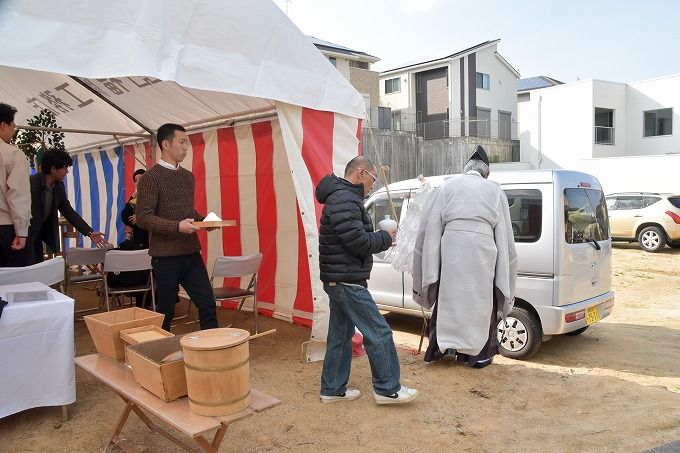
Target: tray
215, 223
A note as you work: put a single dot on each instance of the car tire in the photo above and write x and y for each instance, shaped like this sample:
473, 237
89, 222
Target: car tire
573, 333
652, 239
522, 336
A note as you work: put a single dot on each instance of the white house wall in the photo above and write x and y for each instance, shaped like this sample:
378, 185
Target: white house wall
651, 95
556, 126
502, 92
611, 95
400, 100
557, 131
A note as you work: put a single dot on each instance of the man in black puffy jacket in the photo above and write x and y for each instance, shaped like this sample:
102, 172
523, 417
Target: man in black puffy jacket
347, 243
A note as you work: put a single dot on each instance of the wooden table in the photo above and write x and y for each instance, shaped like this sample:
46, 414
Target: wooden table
175, 413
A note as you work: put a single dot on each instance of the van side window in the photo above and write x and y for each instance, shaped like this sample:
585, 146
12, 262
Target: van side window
380, 208
526, 213
585, 215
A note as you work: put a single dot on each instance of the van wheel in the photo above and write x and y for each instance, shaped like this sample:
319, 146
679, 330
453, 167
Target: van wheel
573, 333
521, 336
652, 239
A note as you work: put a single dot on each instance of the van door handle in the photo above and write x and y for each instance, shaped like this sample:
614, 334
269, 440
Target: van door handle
637, 215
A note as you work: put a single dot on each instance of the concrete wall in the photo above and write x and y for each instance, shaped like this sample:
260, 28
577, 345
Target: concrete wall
366, 82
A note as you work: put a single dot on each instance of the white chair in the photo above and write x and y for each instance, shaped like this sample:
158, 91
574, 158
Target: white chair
128, 261
93, 259
237, 266
49, 272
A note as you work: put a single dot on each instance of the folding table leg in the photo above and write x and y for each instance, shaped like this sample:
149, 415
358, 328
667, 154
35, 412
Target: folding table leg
64, 413
217, 440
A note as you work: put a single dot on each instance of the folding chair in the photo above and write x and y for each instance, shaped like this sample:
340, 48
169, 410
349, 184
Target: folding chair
237, 266
128, 261
93, 259
49, 272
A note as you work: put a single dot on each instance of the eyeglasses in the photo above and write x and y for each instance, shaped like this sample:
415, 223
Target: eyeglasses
370, 174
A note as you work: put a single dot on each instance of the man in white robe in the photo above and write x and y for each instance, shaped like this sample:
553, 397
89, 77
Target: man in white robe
465, 264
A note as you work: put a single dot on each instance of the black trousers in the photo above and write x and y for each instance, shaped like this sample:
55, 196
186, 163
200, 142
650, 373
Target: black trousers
190, 272
9, 257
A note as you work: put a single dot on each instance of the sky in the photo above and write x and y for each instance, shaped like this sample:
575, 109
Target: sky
620, 41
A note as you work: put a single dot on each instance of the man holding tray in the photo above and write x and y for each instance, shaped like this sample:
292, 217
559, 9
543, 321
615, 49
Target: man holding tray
165, 208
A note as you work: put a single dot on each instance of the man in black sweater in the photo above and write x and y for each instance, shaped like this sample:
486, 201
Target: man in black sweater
347, 243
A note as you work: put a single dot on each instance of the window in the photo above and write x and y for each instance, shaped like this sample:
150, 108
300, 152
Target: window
627, 203
526, 206
648, 201
419, 84
604, 126
585, 216
483, 122
358, 64
333, 61
483, 81
658, 122
396, 120
504, 125
611, 202
392, 85
380, 209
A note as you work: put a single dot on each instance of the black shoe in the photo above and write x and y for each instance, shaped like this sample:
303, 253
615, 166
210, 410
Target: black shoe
483, 363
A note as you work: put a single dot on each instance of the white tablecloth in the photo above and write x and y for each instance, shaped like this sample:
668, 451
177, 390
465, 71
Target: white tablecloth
36, 351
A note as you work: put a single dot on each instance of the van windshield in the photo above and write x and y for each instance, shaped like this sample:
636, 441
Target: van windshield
585, 216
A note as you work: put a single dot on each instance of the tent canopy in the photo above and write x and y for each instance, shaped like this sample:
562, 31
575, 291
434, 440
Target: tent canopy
130, 66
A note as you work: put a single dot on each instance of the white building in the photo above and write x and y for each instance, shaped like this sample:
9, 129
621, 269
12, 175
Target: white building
468, 93
622, 133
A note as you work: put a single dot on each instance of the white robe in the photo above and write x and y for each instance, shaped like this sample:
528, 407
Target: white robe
465, 236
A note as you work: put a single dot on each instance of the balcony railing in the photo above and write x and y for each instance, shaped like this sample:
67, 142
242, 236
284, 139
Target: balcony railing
604, 135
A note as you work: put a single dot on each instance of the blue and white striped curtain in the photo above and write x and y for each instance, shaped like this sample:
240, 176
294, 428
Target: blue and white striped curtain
96, 190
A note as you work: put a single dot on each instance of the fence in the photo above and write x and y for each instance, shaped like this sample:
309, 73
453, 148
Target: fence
408, 155
397, 120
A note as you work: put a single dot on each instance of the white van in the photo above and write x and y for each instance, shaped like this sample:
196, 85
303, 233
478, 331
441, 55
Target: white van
561, 228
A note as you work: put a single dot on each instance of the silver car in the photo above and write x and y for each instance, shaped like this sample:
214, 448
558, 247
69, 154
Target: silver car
564, 251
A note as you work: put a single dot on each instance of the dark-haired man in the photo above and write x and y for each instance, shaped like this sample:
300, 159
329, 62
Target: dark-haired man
48, 195
15, 198
165, 208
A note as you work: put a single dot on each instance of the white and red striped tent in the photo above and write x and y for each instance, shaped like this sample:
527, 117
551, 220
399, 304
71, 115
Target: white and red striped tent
268, 116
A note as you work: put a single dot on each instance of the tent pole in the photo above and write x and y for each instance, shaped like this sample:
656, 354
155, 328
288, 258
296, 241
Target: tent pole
108, 101
382, 172
82, 131
134, 154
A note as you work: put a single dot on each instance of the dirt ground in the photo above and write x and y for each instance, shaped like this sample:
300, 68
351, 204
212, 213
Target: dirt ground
614, 388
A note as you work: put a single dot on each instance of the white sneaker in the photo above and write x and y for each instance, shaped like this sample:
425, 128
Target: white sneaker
349, 395
404, 395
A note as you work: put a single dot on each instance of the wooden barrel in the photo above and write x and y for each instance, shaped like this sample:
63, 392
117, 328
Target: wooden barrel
217, 366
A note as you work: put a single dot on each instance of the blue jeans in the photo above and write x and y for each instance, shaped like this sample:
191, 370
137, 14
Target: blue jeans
352, 306
188, 271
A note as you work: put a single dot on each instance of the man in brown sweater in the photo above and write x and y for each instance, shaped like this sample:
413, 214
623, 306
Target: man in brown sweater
165, 208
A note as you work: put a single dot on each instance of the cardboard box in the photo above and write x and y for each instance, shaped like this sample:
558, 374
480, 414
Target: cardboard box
142, 335
167, 380
105, 328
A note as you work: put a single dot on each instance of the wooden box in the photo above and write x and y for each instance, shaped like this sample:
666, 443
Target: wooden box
142, 335
105, 328
165, 380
